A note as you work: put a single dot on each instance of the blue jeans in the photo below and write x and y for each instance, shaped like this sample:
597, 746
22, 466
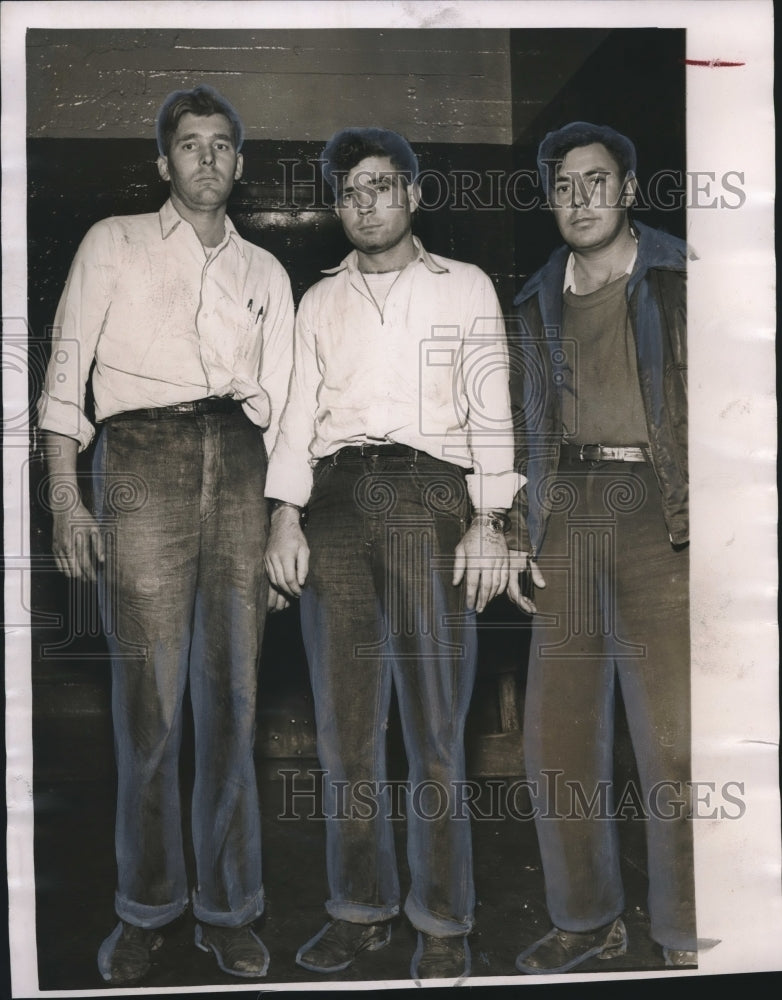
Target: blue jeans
614, 612
183, 591
379, 609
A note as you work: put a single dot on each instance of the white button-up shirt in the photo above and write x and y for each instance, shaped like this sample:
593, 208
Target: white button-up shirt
429, 370
569, 284
166, 321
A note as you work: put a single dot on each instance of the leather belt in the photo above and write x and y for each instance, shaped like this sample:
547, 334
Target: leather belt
371, 450
375, 451
600, 453
196, 407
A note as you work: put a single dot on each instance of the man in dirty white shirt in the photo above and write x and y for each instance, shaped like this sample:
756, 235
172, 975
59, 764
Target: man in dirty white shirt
190, 329
397, 440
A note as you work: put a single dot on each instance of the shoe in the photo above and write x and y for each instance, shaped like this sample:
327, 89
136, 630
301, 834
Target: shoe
336, 945
441, 958
561, 951
238, 950
679, 959
125, 955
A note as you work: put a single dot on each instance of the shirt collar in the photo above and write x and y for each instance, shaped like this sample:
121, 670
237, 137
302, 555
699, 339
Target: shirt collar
170, 219
350, 263
569, 284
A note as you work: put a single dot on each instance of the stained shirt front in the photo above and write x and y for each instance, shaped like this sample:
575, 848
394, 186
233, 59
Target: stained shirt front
167, 321
425, 365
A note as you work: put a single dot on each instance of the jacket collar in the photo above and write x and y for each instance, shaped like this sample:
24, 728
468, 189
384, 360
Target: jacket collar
170, 220
551, 276
659, 250
350, 263
655, 249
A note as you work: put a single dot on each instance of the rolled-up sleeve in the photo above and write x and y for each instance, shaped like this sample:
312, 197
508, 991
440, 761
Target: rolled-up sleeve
78, 322
484, 369
289, 476
277, 351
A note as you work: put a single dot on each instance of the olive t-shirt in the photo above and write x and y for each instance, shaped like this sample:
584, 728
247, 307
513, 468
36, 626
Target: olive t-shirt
602, 401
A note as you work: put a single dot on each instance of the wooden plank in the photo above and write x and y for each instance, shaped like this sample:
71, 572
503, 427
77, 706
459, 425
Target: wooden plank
508, 695
285, 84
497, 755
489, 67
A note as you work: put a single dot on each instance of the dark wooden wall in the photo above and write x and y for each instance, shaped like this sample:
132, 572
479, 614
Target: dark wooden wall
436, 85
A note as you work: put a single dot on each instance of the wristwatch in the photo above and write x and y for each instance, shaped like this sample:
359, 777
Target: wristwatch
276, 504
496, 520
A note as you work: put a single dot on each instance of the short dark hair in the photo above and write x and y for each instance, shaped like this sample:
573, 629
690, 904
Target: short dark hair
350, 146
558, 144
201, 101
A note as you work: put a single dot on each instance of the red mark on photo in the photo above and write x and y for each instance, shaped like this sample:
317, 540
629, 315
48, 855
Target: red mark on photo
711, 62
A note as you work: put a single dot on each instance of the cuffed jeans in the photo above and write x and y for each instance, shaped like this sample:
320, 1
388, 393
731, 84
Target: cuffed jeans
181, 508
615, 609
379, 609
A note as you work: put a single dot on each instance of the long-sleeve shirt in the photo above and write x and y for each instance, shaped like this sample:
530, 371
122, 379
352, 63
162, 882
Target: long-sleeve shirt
428, 369
167, 321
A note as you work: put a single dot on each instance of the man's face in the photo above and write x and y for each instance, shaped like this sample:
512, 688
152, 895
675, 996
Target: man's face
590, 198
376, 205
202, 163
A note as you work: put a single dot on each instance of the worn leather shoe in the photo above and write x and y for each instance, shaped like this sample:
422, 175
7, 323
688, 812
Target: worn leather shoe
679, 959
336, 945
441, 958
126, 954
561, 951
238, 950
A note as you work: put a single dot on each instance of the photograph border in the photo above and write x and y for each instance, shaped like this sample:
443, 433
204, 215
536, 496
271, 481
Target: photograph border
733, 444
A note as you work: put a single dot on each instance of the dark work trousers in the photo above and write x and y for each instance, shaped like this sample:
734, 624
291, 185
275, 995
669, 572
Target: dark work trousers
615, 611
379, 609
182, 512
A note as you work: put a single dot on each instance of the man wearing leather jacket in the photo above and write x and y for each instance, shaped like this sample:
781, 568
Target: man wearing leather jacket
599, 391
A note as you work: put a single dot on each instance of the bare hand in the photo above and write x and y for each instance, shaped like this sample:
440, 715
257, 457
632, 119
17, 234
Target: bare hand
481, 558
276, 600
76, 543
522, 563
287, 556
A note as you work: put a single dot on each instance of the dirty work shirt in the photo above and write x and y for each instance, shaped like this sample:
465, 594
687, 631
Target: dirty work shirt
166, 322
423, 364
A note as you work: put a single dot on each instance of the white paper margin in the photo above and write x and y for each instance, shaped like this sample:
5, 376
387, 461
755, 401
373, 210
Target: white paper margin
732, 318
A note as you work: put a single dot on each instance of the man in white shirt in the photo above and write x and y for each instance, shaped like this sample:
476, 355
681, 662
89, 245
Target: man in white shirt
396, 438
190, 331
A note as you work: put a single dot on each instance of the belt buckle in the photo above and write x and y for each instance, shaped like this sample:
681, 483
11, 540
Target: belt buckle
202, 407
582, 457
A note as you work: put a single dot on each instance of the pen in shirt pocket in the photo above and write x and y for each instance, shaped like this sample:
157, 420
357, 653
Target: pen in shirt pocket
250, 310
